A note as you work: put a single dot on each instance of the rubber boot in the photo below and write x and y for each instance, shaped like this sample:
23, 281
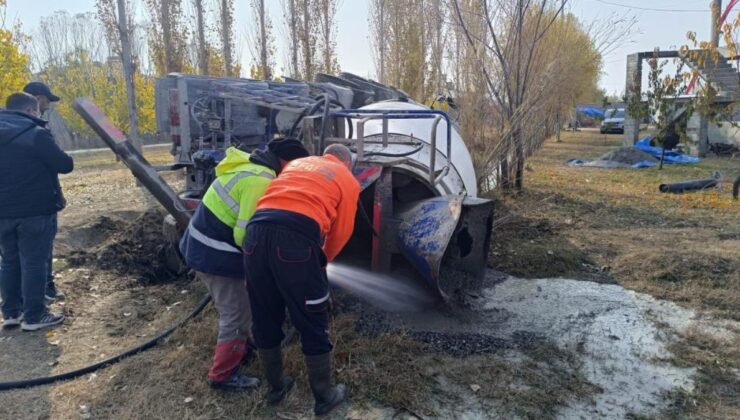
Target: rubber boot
326, 395
226, 358
272, 365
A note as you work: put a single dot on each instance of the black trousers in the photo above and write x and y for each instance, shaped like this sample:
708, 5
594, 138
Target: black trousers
286, 268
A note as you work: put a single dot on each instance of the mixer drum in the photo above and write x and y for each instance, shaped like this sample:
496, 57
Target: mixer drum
432, 223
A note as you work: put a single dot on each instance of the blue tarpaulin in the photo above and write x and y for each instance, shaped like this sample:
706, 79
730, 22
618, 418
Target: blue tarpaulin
643, 145
670, 156
590, 111
609, 164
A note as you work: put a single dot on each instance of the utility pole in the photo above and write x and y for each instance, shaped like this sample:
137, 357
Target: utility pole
716, 8
716, 14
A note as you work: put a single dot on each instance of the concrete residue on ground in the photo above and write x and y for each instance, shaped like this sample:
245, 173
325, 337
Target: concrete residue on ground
611, 329
624, 157
627, 155
620, 338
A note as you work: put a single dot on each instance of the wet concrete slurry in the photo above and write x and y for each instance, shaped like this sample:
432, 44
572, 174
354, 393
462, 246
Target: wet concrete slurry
619, 336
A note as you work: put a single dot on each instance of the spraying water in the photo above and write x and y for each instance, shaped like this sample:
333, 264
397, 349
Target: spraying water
390, 292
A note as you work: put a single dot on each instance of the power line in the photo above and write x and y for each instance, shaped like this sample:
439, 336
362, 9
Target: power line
653, 9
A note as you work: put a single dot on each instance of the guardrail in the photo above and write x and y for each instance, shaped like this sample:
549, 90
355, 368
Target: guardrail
365, 115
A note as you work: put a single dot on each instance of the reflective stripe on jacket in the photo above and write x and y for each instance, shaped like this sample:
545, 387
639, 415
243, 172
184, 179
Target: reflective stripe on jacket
212, 243
233, 195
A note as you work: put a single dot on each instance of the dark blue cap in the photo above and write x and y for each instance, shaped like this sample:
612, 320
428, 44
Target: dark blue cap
39, 89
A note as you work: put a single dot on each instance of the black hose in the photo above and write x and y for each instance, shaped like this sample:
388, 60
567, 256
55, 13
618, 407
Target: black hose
321, 100
367, 220
681, 187
386, 154
351, 128
307, 111
27, 383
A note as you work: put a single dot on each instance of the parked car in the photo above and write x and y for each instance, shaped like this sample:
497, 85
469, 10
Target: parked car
613, 121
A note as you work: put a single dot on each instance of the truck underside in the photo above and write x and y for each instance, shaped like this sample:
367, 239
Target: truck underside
419, 194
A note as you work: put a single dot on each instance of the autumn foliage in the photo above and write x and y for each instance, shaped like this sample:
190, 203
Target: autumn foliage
13, 62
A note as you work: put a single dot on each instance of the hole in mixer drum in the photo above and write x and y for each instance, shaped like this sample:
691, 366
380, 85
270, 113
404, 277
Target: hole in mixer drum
464, 242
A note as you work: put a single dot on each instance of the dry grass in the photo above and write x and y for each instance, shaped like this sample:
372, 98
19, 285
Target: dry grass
105, 159
157, 385
390, 370
532, 387
613, 225
717, 392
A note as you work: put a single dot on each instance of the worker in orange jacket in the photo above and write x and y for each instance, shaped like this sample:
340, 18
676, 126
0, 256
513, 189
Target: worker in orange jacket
303, 221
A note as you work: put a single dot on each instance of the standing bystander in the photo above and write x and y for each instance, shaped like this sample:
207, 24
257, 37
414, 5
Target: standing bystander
45, 97
30, 162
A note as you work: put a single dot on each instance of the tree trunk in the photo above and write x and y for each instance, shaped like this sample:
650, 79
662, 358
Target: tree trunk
703, 135
504, 176
166, 22
226, 36
327, 36
519, 172
294, 39
266, 73
557, 127
306, 42
381, 43
519, 159
202, 47
128, 73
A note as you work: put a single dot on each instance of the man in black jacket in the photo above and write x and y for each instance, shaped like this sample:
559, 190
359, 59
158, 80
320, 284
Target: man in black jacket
43, 94
30, 162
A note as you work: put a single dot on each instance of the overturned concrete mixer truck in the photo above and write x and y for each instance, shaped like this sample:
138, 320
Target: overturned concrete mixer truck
419, 193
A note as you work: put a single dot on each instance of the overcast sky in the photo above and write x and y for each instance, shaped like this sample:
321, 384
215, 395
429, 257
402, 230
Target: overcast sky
664, 28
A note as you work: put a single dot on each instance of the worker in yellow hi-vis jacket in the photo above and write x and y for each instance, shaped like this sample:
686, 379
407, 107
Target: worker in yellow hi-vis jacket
212, 247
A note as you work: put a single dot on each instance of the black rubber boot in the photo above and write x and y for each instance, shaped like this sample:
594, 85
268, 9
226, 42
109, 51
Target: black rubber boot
279, 384
327, 395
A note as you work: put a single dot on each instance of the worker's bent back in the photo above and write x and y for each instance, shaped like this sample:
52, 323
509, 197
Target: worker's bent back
321, 188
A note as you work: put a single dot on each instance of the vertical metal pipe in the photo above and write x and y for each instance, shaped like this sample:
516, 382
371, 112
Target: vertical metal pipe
385, 132
361, 139
433, 149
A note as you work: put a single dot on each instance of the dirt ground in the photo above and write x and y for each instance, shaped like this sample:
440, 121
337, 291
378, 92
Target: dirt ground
605, 299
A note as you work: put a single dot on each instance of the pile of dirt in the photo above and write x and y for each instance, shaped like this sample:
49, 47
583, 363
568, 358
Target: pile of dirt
134, 248
627, 155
